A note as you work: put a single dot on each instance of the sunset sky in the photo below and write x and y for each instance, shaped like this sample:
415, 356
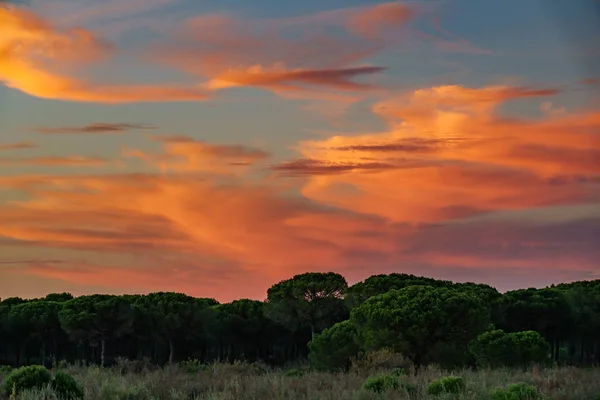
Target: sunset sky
216, 148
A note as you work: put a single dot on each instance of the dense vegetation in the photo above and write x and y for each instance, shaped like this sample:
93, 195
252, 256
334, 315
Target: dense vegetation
425, 320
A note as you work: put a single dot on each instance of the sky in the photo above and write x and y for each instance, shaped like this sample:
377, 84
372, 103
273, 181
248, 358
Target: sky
216, 148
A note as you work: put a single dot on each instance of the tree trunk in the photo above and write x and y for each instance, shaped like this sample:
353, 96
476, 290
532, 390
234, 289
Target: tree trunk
43, 353
102, 350
171, 351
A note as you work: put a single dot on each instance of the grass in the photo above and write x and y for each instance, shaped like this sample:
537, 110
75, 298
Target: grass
240, 381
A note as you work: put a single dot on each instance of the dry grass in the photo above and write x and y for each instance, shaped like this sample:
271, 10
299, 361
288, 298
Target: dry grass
131, 381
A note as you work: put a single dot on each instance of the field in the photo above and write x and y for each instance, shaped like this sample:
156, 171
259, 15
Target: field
131, 380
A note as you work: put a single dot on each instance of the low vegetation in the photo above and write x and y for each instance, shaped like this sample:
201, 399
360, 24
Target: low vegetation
244, 381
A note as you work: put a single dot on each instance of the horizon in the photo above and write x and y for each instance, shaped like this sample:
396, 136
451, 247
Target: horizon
350, 284
180, 146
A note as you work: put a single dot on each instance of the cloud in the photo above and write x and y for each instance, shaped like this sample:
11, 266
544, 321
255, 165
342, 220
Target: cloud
308, 167
230, 52
454, 156
182, 153
451, 184
234, 240
280, 78
18, 146
58, 161
374, 20
32, 50
95, 128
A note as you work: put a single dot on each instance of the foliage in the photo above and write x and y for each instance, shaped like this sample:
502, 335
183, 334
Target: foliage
312, 299
294, 373
222, 382
96, 318
380, 284
515, 391
447, 384
29, 377
381, 383
5, 369
333, 348
414, 319
495, 348
421, 319
66, 387
193, 366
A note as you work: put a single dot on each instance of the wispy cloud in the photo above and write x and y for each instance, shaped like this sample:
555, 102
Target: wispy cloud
182, 153
95, 128
32, 50
66, 161
18, 146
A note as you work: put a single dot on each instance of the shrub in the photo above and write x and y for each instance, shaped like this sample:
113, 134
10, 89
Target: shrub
381, 383
447, 384
5, 369
30, 377
398, 372
516, 391
496, 348
294, 372
333, 348
192, 367
66, 387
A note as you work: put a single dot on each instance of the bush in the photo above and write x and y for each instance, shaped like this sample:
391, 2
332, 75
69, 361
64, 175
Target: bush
30, 377
398, 372
5, 369
333, 348
495, 348
192, 367
66, 387
516, 391
294, 373
447, 384
381, 383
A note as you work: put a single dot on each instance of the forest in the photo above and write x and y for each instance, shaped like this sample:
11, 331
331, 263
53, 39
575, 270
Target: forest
314, 317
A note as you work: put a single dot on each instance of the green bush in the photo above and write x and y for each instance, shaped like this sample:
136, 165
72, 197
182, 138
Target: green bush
381, 383
398, 372
5, 369
30, 377
193, 366
516, 391
66, 387
496, 348
447, 384
294, 372
334, 348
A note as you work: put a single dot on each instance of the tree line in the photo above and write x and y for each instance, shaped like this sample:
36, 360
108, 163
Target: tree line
314, 316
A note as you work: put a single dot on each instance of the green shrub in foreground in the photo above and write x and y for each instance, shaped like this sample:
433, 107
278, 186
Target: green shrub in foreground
447, 384
30, 377
516, 391
381, 383
66, 387
5, 369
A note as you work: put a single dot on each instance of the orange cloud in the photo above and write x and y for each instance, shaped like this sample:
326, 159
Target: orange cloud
182, 153
450, 185
95, 128
372, 21
448, 154
18, 146
31, 50
73, 161
280, 78
230, 52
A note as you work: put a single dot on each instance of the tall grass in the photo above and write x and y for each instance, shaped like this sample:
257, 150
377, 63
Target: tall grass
241, 381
